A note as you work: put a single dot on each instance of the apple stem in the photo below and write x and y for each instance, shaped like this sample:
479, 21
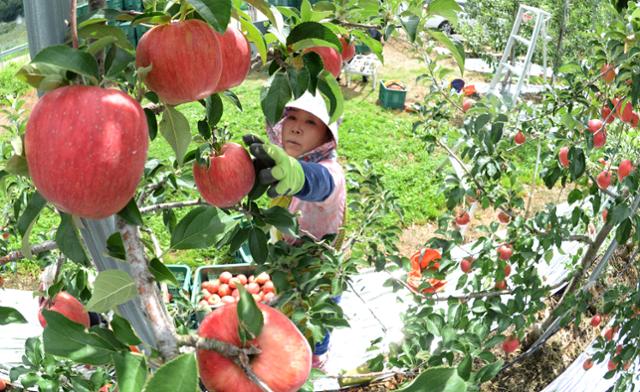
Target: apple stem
74, 24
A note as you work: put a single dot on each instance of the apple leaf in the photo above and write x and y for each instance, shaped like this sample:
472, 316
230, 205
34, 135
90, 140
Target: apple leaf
174, 127
69, 241
35, 204
111, 288
577, 161
214, 109
178, 375
152, 123
123, 331
216, 12
250, 318
446, 8
67, 339
161, 272
436, 379
328, 85
115, 246
131, 371
200, 228
373, 44
315, 34
258, 245
131, 213
70, 59
275, 96
10, 316
254, 35
456, 49
99, 31
410, 24
299, 80
281, 218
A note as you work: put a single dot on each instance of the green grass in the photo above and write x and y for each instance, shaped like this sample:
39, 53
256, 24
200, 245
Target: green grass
10, 85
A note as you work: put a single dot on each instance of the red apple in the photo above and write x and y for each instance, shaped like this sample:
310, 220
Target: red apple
267, 297
228, 299
262, 278
330, 58
604, 179
625, 113
501, 285
225, 277
284, 363
462, 218
268, 287
519, 138
599, 139
608, 72
605, 212
635, 119
618, 349
348, 49
86, 148
224, 290
467, 104
503, 217
229, 177
624, 169
595, 125
587, 364
242, 278
466, 265
67, 305
253, 288
608, 334
507, 270
211, 285
236, 58
3, 384
510, 344
595, 320
505, 252
186, 60
563, 156
612, 365
606, 114
214, 299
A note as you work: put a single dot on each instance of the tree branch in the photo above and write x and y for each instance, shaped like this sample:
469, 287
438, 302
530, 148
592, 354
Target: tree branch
159, 320
36, 249
168, 206
73, 23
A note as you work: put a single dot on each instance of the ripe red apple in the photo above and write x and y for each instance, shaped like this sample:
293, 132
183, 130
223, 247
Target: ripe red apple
348, 49
225, 277
224, 290
467, 104
618, 349
330, 58
505, 252
262, 278
595, 125
635, 119
228, 299
236, 58
606, 114
253, 288
501, 285
466, 265
507, 270
284, 363
605, 212
462, 218
587, 364
267, 297
6, 235
86, 148
608, 72
211, 285
510, 344
625, 113
228, 178
563, 156
624, 169
612, 365
3, 384
519, 138
503, 217
214, 299
186, 60
603, 179
599, 139
67, 305
608, 334
595, 320
268, 287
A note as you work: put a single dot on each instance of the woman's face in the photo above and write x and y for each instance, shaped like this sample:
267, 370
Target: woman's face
302, 132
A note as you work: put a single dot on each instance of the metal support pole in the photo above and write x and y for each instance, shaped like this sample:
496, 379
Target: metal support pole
46, 26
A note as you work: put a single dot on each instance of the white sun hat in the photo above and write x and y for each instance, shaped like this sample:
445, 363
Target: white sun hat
315, 105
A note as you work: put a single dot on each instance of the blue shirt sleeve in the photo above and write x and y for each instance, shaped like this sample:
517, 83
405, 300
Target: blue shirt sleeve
318, 182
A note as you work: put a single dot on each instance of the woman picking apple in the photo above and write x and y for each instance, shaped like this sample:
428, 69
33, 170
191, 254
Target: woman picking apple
300, 167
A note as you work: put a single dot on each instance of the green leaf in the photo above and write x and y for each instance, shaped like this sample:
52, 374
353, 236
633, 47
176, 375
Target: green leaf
488, 372
17, 165
270, 12
275, 96
178, 375
69, 241
67, 339
70, 59
10, 316
162, 273
200, 228
447, 8
298, 80
99, 31
281, 218
328, 85
250, 318
577, 162
115, 246
216, 12
152, 123
254, 36
464, 368
111, 288
214, 109
410, 24
624, 231
174, 127
436, 379
306, 31
123, 331
131, 371
232, 98
131, 213
258, 245
456, 49
34, 206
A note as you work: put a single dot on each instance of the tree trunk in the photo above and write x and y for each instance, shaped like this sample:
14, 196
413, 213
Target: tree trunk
562, 30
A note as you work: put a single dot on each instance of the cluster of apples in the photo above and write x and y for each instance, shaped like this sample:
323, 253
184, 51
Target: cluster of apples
224, 288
